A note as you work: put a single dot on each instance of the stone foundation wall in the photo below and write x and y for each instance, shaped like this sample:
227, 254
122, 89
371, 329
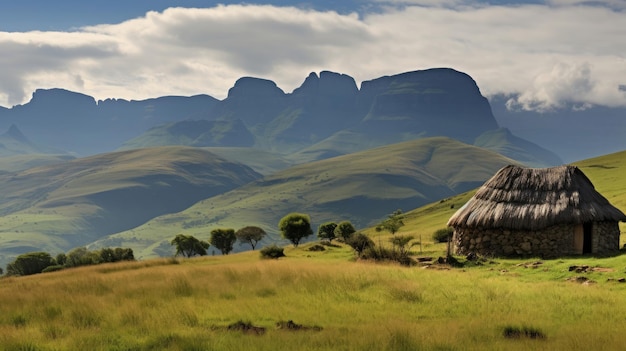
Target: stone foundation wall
549, 242
605, 239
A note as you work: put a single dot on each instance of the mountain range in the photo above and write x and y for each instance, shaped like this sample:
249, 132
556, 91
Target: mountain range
76, 171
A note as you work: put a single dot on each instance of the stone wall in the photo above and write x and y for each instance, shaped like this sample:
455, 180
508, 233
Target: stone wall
549, 242
605, 239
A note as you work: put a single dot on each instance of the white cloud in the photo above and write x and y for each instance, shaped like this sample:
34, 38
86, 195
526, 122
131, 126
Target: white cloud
548, 54
615, 4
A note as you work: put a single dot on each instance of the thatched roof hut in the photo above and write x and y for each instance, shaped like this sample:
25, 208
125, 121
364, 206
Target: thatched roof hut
522, 204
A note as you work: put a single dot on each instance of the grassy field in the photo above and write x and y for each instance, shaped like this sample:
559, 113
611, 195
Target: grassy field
341, 304
213, 303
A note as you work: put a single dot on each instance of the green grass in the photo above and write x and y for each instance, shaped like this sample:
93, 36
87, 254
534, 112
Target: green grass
156, 304
406, 173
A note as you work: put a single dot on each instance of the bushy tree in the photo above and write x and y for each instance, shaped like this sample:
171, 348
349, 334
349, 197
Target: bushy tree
295, 227
30, 263
250, 235
223, 239
360, 242
326, 231
80, 256
392, 223
344, 230
61, 259
188, 246
124, 254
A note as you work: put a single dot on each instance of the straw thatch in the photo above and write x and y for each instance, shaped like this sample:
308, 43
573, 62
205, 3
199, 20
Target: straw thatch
535, 198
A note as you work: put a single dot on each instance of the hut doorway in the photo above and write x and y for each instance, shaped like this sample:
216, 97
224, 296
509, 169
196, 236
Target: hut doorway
587, 233
582, 238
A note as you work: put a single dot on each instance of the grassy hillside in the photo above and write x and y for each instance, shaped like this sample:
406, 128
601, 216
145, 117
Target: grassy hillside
60, 206
605, 172
361, 187
264, 162
18, 163
340, 305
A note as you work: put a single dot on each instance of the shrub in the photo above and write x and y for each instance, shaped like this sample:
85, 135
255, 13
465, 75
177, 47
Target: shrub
317, 247
443, 235
511, 332
272, 251
385, 254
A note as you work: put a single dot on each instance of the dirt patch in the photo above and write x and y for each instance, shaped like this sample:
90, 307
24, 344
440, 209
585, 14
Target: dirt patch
292, 326
581, 280
533, 265
587, 269
246, 328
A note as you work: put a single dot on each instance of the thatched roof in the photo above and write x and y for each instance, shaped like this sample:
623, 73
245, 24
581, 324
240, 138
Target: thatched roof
535, 198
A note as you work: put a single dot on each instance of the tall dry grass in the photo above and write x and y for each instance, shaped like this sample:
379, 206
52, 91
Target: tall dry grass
159, 305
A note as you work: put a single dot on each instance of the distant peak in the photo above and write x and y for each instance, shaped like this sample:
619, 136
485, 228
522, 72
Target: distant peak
60, 95
15, 133
329, 83
255, 87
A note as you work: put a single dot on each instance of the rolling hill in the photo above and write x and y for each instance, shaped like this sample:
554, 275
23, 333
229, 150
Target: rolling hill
60, 206
361, 187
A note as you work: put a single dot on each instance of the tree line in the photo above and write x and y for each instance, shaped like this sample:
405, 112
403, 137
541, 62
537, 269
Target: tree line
293, 227
42, 262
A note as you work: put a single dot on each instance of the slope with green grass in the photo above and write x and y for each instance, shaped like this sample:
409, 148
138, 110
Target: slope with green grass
18, 163
361, 187
60, 206
213, 303
605, 172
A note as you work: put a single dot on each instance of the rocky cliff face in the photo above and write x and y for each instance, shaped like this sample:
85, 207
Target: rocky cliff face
427, 103
324, 109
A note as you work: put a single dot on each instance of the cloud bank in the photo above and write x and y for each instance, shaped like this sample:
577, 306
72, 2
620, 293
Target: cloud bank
550, 56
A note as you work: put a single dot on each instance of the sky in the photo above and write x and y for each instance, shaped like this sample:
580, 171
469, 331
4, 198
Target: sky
546, 54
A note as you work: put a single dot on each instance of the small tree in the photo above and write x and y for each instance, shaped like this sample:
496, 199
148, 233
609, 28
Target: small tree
189, 246
124, 254
250, 235
327, 231
344, 230
359, 243
401, 242
295, 227
223, 239
392, 224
